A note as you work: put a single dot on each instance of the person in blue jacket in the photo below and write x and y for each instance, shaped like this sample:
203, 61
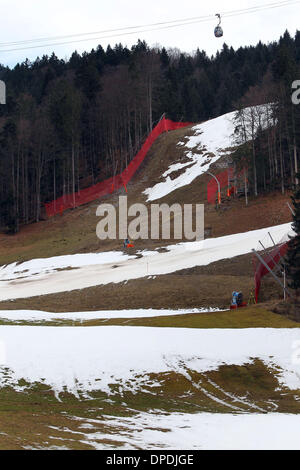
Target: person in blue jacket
234, 300
237, 298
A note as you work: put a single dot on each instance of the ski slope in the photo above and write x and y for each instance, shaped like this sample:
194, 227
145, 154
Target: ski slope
43, 278
211, 140
85, 359
46, 265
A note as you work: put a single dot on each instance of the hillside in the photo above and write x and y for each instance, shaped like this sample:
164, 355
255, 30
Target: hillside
137, 348
149, 229
171, 156
173, 171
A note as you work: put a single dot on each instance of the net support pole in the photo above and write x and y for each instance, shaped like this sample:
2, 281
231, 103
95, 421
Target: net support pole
228, 188
291, 209
285, 290
219, 187
272, 239
283, 272
275, 264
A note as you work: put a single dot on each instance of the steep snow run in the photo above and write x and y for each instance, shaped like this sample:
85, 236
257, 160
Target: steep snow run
211, 140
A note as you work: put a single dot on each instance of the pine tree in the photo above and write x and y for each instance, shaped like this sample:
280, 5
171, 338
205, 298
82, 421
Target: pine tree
293, 254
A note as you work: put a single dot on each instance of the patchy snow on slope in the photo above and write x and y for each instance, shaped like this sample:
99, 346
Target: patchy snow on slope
47, 265
206, 146
83, 359
180, 256
202, 431
40, 316
211, 140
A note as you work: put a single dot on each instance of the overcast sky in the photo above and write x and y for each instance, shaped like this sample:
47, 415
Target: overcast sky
31, 19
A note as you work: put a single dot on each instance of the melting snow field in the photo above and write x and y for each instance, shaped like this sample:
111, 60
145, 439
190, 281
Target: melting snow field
82, 360
211, 140
39, 277
47, 265
203, 431
204, 149
94, 358
118, 359
39, 316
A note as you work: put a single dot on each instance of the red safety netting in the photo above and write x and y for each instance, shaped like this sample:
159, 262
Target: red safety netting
271, 259
212, 187
112, 184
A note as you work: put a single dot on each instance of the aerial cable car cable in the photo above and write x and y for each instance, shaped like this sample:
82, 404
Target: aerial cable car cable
98, 37
52, 38
208, 17
218, 31
257, 9
137, 29
181, 21
172, 23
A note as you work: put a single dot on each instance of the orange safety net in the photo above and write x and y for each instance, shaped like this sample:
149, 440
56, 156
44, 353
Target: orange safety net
271, 259
212, 187
108, 186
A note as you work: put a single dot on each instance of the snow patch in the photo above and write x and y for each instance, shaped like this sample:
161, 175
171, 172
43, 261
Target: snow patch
211, 140
202, 431
180, 256
42, 266
83, 359
37, 315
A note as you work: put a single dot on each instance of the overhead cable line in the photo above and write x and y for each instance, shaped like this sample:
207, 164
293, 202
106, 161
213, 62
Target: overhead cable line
118, 32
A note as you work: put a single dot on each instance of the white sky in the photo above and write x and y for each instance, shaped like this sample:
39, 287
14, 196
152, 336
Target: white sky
30, 19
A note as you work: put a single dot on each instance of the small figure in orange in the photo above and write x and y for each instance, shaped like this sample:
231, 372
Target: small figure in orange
127, 244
